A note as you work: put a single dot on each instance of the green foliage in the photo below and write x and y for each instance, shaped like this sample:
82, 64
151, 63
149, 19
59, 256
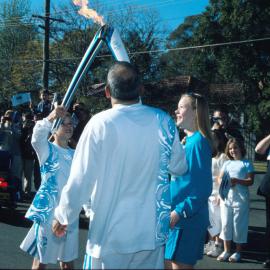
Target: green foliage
21, 48
247, 63
17, 44
140, 33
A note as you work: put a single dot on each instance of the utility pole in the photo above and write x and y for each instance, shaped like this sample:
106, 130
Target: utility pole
46, 44
46, 50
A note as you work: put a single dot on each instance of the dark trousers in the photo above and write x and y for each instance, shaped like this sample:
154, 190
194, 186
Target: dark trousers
267, 201
37, 177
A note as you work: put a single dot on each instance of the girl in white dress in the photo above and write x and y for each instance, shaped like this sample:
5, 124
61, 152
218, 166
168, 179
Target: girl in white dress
219, 157
235, 207
55, 162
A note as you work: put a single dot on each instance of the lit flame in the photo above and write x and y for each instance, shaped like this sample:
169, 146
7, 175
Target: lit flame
87, 12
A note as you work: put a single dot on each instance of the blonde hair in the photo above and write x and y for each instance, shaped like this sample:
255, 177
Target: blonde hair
237, 142
200, 105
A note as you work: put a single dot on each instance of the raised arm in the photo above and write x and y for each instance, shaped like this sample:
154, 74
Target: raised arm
263, 145
41, 132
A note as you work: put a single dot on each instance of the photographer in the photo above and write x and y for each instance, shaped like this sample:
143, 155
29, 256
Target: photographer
222, 121
28, 153
80, 117
11, 122
262, 148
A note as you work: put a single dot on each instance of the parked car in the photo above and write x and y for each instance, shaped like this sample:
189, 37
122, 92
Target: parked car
9, 186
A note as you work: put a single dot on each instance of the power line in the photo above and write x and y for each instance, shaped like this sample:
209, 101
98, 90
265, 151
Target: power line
151, 51
205, 46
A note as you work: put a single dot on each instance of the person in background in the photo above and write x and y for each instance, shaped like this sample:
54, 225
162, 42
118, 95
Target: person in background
214, 247
121, 165
44, 106
28, 153
12, 123
223, 122
55, 161
80, 117
37, 176
7, 139
190, 192
235, 207
262, 148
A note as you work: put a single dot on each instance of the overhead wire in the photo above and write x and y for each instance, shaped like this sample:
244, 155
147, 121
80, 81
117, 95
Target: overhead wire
151, 51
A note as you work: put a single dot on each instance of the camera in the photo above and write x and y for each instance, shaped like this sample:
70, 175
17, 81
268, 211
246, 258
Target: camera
216, 120
6, 118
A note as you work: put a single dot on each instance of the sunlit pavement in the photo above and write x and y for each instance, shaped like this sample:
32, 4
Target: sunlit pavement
13, 228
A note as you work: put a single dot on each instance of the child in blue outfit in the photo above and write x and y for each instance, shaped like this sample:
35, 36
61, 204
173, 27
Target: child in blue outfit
55, 162
190, 192
235, 207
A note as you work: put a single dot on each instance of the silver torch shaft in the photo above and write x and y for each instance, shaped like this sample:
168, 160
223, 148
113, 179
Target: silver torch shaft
112, 39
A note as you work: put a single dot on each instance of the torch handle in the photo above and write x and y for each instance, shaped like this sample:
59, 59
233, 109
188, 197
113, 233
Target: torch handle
85, 63
106, 35
116, 45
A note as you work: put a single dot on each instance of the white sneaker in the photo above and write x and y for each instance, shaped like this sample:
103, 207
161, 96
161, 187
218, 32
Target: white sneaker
236, 257
224, 256
208, 246
215, 251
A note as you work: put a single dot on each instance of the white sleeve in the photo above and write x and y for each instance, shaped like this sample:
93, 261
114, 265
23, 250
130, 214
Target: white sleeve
178, 162
83, 175
40, 139
223, 158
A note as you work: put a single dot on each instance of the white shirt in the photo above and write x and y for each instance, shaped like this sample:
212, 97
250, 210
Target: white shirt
217, 163
119, 165
238, 194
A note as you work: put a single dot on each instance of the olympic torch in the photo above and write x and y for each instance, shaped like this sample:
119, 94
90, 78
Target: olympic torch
111, 38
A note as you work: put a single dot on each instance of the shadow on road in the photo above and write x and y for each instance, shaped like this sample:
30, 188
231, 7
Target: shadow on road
15, 217
255, 249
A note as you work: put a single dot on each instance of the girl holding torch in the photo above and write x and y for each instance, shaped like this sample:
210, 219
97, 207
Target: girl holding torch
55, 162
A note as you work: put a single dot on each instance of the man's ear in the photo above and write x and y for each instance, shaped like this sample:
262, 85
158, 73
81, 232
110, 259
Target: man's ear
107, 92
141, 90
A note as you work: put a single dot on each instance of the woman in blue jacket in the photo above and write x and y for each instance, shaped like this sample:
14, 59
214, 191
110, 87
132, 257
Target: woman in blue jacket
190, 192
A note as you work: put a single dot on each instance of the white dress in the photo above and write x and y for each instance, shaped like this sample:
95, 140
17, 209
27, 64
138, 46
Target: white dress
55, 162
213, 205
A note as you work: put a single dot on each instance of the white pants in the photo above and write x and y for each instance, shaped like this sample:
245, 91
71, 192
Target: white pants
234, 222
214, 216
147, 259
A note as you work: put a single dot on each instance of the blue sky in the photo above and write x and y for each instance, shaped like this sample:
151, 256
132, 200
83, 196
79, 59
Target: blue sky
172, 12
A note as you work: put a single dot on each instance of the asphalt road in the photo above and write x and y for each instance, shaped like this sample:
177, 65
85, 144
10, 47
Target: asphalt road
13, 228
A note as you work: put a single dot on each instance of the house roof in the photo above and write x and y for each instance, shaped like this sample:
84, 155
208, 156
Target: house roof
229, 93
156, 92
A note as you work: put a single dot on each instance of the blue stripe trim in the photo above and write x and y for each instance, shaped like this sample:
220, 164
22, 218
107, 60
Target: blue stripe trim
84, 261
31, 247
87, 264
90, 262
33, 253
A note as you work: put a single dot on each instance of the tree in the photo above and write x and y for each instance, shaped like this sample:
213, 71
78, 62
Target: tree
139, 31
247, 63
17, 49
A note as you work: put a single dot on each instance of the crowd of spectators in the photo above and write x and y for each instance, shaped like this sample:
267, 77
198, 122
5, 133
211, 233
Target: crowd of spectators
16, 129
